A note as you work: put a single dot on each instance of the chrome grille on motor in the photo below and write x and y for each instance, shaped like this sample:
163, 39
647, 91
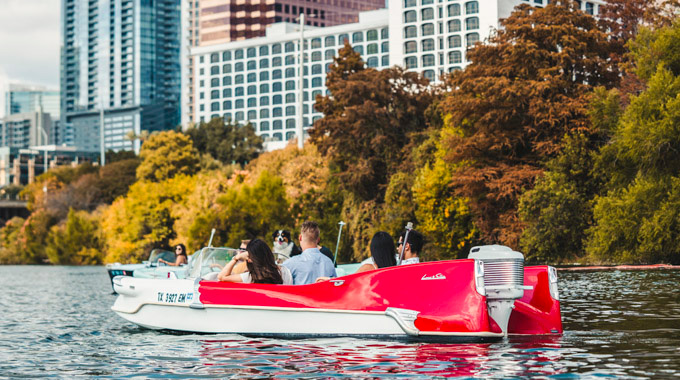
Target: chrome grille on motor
503, 272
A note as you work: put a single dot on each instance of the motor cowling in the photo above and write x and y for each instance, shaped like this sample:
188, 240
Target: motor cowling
503, 280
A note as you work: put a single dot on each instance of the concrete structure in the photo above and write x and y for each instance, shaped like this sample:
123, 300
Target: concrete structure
21, 166
210, 22
122, 56
256, 80
25, 129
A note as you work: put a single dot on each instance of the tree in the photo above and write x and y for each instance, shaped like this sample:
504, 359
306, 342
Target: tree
369, 119
165, 155
512, 106
227, 142
75, 242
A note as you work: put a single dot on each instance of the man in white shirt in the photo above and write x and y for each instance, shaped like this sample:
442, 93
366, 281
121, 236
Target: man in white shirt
311, 263
412, 248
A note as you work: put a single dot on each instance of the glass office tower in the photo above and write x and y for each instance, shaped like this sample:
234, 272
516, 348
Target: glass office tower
122, 56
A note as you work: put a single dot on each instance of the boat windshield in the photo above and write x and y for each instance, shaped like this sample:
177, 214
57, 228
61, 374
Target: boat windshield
158, 253
208, 260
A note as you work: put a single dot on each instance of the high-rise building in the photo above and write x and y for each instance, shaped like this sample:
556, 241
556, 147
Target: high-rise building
122, 57
29, 101
26, 98
210, 22
257, 80
22, 130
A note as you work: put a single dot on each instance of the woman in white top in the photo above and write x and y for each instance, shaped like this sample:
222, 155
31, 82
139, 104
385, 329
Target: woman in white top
382, 253
262, 268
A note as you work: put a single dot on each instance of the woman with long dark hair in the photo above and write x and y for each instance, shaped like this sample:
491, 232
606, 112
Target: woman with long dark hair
382, 253
262, 268
180, 255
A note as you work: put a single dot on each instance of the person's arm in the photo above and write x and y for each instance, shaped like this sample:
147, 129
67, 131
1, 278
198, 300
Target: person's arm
166, 262
365, 268
225, 274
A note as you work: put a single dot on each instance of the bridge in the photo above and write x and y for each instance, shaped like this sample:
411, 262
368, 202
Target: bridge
12, 208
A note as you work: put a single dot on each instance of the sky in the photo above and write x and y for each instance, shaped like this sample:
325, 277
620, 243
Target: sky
30, 41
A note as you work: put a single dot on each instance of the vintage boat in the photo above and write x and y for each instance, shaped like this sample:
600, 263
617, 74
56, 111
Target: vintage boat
485, 297
149, 268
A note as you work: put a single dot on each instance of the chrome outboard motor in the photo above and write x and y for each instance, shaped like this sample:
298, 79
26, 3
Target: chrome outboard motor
500, 277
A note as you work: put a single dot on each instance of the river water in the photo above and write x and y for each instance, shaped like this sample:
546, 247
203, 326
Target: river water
57, 322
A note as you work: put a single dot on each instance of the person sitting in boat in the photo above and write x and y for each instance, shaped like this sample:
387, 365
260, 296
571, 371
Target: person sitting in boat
311, 263
180, 257
412, 247
382, 253
262, 268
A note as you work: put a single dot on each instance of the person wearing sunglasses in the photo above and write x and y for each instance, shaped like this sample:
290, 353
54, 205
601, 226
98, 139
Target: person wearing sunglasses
412, 248
262, 268
180, 257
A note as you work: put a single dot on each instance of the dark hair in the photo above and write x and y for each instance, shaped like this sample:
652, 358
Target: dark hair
415, 240
262, 267
184, 249
382, 250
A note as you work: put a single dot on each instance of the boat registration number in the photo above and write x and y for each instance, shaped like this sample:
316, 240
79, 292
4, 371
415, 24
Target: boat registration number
175, 297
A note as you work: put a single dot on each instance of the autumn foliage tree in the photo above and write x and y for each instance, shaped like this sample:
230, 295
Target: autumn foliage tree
227, 142
523, 91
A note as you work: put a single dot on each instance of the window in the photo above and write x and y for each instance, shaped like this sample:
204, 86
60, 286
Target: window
251, 52
277, 87
315, 93
290, 85
471, 7
252, 77
226, 105
290, 123
290, 47
455, 57
277, 112
277, 99
238, 91
359, 49
278, 124
411, 62
316, 43
316, 69
226, 93
343, 38
372, 62
264, 101
410, 32
252, 65
214, 94
264, 75
227, 116
428, 44
238, 79
471, 23
290, 72
428, 29
215, 82
357, 37
264, 126
454, 42
238, 116
316, 56
409, 3
428, 60
385, 47
590, 8
290, 111
214, 57
214, 70
226, 69
252, 115
471, 39
238, 67
239, 103
215, 106
385, 60
276, 49
429, 74
290, 98
372, 49
427, 2
427, 14
276, 74
453, 10
329, 41
384, 33
454, 26
226, 56
252, 102
264, 113
264, 50
238, 54
316, 82
330, 53
372, 35
276, 61
410, 47
290, 60
410, 16
252, 90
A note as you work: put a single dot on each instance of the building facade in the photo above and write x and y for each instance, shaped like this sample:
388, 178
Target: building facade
27, 99
257, 80
20, 166
211, 22
122, 57
22, 130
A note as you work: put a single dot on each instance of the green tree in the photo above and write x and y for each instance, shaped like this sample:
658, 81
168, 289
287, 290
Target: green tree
227, 142
524, 90
10, 241
76, 241
165, 155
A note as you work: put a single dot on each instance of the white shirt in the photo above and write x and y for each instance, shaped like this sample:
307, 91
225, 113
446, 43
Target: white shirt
287, 277
412, 260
